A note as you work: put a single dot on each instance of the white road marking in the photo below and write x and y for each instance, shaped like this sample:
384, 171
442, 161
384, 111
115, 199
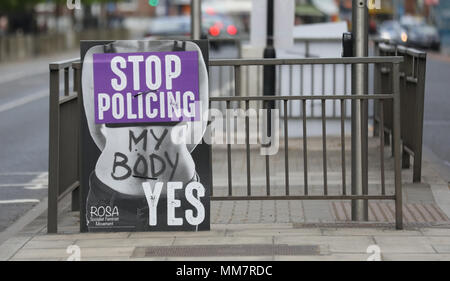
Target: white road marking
23, 101
22, 173
26, 185
16, 201
38, 182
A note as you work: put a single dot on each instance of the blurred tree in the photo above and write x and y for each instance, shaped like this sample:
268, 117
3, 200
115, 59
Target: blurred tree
20, 14
17, 5
88, 19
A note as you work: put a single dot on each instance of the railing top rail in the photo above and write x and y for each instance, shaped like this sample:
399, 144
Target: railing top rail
386, 46
380, 40
243, 62
317, 39
411, 52
354, 60
326, 97
63, 64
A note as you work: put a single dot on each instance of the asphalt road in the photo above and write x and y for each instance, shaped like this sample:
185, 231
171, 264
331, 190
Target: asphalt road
24, 129
24, 145
437, 109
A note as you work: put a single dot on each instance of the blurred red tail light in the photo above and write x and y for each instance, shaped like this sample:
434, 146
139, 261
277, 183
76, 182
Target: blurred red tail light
214, 30
232, 30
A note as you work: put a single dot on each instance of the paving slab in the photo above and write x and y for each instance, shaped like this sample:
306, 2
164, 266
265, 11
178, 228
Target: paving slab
179, 241
317, 211
11, 246
212, 233
369, 232
415, 257
112, 251
333, 257
252, 226
418, 193
435, 231
335, 244
276, 232
442, 248
415, 245
49, 244
129, 242
231, 259
76, 236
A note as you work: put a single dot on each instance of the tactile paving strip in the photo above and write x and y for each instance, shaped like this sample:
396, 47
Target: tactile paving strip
226, 250
385, 212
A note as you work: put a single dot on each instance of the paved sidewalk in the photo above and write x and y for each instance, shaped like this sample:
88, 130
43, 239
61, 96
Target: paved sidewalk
243, 242
290, 230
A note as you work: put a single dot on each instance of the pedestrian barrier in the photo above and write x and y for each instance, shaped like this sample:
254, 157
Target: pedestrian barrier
412, 95
292, 80
283, 103
63, 176
64, 141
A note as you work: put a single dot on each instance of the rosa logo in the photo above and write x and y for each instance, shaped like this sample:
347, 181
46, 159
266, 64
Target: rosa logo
104, 211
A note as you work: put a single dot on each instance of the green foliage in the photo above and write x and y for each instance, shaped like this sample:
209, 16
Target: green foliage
22, 5
17, 5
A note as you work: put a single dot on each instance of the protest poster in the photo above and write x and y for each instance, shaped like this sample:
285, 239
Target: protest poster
144, 165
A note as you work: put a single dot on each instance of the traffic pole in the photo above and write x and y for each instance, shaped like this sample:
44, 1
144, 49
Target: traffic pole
360, 26
196, 19
270, 70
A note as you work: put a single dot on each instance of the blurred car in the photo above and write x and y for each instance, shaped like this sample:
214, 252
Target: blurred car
220, 26
173, 26
393, 31
213, 27
423, 36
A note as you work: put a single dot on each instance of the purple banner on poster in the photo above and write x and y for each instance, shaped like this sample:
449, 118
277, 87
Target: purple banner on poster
150, 87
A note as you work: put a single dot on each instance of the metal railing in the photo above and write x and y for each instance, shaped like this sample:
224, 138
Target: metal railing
284, 102
308, 42
65, 122
412, 95
292, 80
63, 176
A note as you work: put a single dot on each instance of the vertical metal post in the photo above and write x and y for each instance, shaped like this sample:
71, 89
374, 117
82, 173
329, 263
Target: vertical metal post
397, 147
196, 19
76, 194
269, 82
269, 53
53, 165
376, 90
420, 96
359, 111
